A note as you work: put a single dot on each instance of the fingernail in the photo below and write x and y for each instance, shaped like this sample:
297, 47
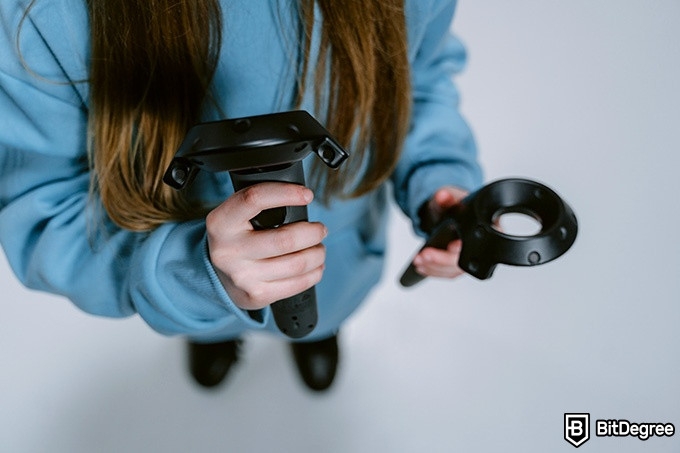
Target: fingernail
418, 260
309, 195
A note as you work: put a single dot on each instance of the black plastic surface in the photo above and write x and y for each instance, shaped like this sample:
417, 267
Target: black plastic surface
484, 246
255, 144
258, 149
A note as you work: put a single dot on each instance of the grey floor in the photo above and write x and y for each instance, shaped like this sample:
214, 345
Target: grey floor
581, 95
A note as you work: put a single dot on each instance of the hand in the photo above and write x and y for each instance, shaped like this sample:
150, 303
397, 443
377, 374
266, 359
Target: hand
433, 262
260, 267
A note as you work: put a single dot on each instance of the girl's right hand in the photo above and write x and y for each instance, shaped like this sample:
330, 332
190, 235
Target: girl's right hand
260, 267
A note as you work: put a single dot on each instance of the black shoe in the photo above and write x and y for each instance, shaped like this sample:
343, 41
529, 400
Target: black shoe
209, 363
317, 362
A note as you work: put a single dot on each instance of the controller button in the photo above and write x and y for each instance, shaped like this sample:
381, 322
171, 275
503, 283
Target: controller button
534, 258
270, 218
242, 125
180, 175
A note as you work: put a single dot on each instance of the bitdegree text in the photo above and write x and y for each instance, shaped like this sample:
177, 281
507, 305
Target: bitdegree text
624, 428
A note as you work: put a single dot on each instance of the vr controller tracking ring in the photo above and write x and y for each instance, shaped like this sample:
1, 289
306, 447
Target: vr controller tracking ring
484, 246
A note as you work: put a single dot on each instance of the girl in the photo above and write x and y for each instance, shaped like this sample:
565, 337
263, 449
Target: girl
95, 98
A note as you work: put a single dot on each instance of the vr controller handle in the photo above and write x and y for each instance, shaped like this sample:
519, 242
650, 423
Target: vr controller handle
444, 233
296, 316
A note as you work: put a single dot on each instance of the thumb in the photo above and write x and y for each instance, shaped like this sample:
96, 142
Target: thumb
446, 197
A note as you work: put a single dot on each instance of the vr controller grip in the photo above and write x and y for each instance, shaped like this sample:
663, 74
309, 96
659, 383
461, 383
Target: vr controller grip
440, 238
296, 316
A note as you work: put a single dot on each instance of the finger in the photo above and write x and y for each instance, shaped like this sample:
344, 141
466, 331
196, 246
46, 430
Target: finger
446, 197
435, 262
247, 203
435, 257
267, 293
286, 239
440, 257
431, 270
291, 265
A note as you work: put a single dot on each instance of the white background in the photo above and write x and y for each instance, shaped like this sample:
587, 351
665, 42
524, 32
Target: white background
579, 94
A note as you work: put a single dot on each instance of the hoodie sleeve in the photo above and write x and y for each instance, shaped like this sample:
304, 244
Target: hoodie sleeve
439, 149
51, 227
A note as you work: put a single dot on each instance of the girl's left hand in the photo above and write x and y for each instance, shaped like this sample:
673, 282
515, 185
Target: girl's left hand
432, 262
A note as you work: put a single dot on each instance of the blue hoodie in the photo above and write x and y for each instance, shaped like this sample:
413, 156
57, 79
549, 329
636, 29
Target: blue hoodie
165, 276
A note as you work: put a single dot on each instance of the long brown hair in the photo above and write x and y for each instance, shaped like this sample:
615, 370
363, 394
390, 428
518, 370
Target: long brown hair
152, 63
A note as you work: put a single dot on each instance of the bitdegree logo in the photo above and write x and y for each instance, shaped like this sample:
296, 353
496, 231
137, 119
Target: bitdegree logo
624, 428
577, 429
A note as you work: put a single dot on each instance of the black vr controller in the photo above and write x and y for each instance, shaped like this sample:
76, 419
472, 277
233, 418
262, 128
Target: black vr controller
484, 246
258, 149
